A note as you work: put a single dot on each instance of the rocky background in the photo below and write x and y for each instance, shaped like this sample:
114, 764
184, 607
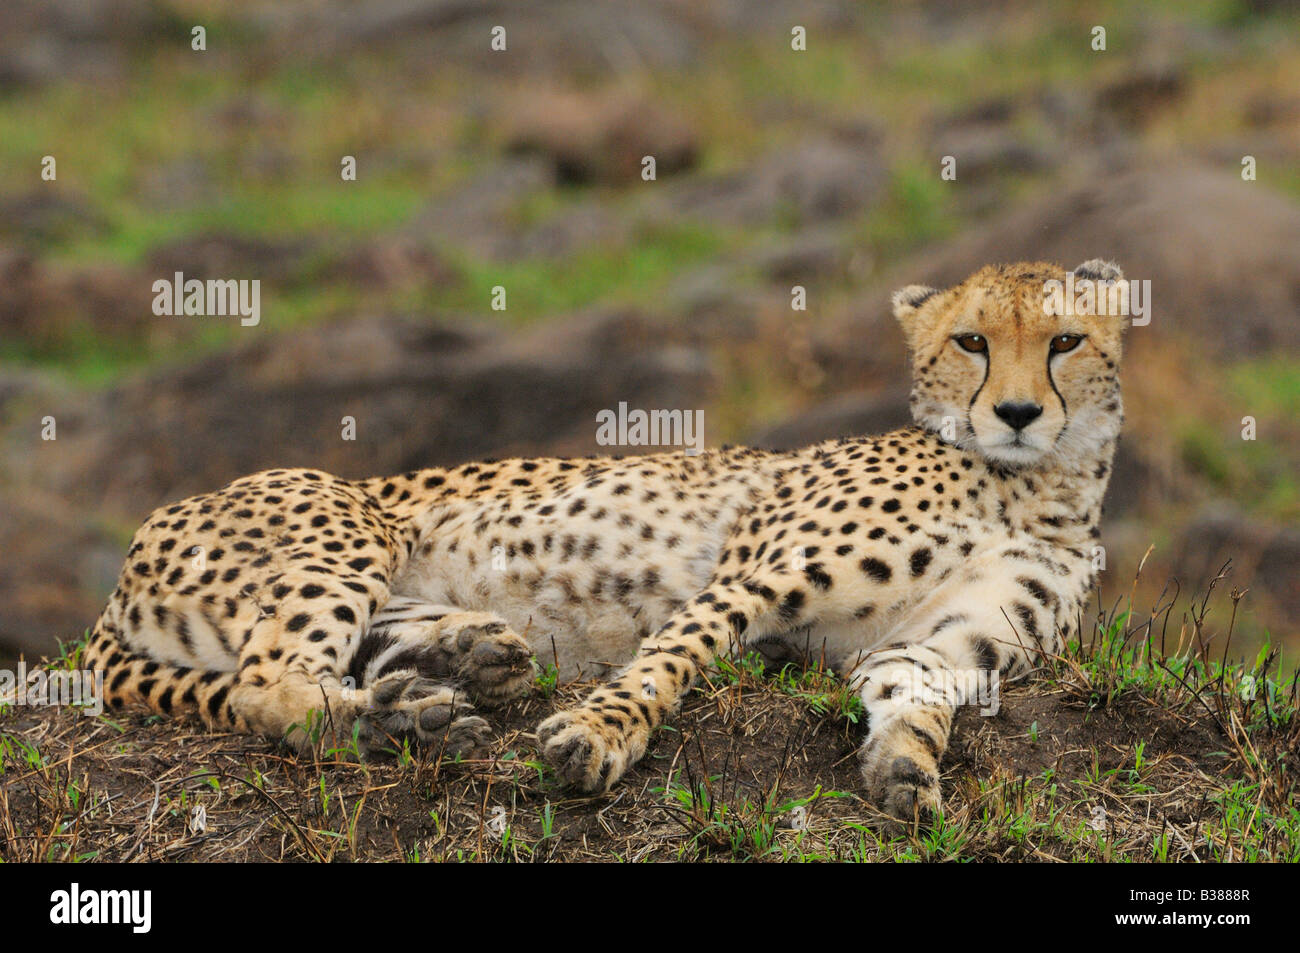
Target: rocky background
522, 169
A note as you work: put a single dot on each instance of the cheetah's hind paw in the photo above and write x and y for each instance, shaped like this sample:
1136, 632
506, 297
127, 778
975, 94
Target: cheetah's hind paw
434, 714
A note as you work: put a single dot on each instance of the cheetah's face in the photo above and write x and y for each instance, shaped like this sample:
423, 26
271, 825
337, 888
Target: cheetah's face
998, 371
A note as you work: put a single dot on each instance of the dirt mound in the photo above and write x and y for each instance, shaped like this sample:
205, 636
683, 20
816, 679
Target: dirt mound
781, 779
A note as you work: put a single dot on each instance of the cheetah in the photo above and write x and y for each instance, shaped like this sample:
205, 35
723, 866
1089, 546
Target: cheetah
399, 607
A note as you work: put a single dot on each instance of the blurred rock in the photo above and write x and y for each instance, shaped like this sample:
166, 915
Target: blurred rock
1265, 558
45, 307
1267, 110
861, 346
552, 37
598, 137
420, 395
478, 216
851, 414
1138, 485
46, 215
545, 37
1262, 8
717, 303
807, 182
582, 226
224, 255
46, 41
987, 139
50, 41
807, 255
981, 151
390, 263
1143, 94
25, 387
178, 183
69, 563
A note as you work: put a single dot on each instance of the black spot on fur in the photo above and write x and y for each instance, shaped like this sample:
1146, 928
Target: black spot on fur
877, 569
920, 560
792, 605
816, 575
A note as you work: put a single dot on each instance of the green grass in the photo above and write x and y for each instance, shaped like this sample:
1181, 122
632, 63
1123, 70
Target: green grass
1261, 473
918, 208
1095, 816
1269, 387
267, 147
632, 273
824, 695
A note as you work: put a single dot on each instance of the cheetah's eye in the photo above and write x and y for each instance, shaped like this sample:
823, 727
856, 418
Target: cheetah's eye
1066, 342
974, 343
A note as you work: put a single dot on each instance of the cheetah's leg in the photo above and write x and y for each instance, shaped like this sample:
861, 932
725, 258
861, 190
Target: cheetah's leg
955, 649
592, 745
399, 705
291, 678
423, 664
477, 650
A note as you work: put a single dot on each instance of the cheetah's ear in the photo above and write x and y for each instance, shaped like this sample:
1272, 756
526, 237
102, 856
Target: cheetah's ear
1098, 269
1107, 275
907, 300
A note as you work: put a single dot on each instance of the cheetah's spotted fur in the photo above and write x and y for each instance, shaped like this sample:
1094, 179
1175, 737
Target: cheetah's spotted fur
958, 544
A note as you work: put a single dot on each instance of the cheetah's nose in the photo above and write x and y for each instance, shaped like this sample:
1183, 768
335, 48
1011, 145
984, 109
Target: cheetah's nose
1018, 414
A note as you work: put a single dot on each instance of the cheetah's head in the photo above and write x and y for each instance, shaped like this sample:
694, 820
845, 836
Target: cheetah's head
1000, 367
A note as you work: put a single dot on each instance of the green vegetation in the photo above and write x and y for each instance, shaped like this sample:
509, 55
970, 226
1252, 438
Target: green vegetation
1262, 471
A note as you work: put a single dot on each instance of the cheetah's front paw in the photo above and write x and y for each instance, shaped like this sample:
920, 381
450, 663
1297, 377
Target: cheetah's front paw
587, 751
493, 660
902, 774
403, 705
